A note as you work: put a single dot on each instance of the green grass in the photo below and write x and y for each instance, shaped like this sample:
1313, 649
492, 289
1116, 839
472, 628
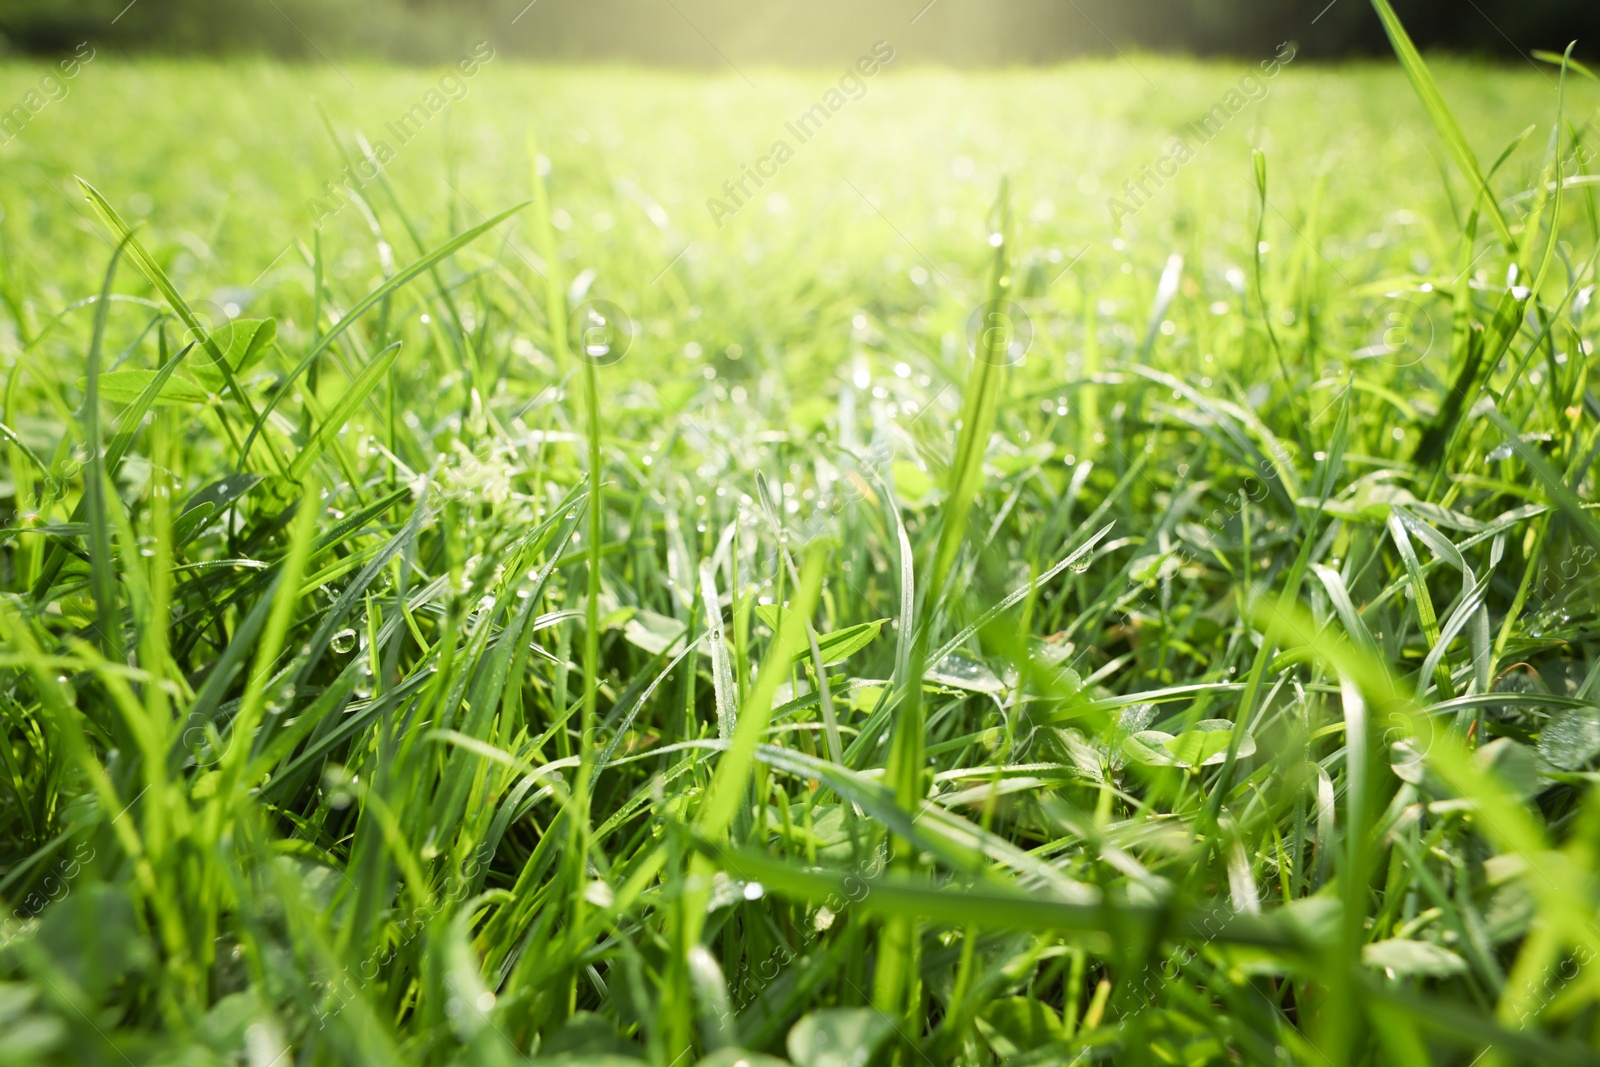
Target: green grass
426, 677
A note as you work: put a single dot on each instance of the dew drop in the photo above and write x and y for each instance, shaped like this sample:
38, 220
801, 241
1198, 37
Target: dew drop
343, 641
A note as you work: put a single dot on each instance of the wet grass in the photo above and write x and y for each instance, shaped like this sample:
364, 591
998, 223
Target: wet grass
912, 620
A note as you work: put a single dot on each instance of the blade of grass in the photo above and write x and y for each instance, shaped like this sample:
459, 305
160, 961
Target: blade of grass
108, 612
366, 304
350, 398
1444, 121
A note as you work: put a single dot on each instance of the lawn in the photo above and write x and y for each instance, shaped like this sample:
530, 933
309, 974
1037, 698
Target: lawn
878, 565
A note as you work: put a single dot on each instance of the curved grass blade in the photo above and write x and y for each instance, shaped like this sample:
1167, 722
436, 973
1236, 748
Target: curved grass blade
349, 400
101, 564
169, 292
367, 303
1444, 121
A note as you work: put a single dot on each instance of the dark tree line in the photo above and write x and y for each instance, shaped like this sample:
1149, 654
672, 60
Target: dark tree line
703, 32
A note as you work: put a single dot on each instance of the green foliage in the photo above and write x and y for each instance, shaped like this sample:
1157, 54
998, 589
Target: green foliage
391, 672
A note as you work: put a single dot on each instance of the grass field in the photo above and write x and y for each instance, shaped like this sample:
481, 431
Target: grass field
934, 601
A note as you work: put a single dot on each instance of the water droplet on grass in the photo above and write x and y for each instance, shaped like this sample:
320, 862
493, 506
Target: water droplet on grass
343, 641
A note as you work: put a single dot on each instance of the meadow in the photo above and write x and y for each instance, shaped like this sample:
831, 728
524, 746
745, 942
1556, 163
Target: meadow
506, 564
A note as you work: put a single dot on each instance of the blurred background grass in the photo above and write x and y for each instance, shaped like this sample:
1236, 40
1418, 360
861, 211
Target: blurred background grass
927, 147
682, 32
